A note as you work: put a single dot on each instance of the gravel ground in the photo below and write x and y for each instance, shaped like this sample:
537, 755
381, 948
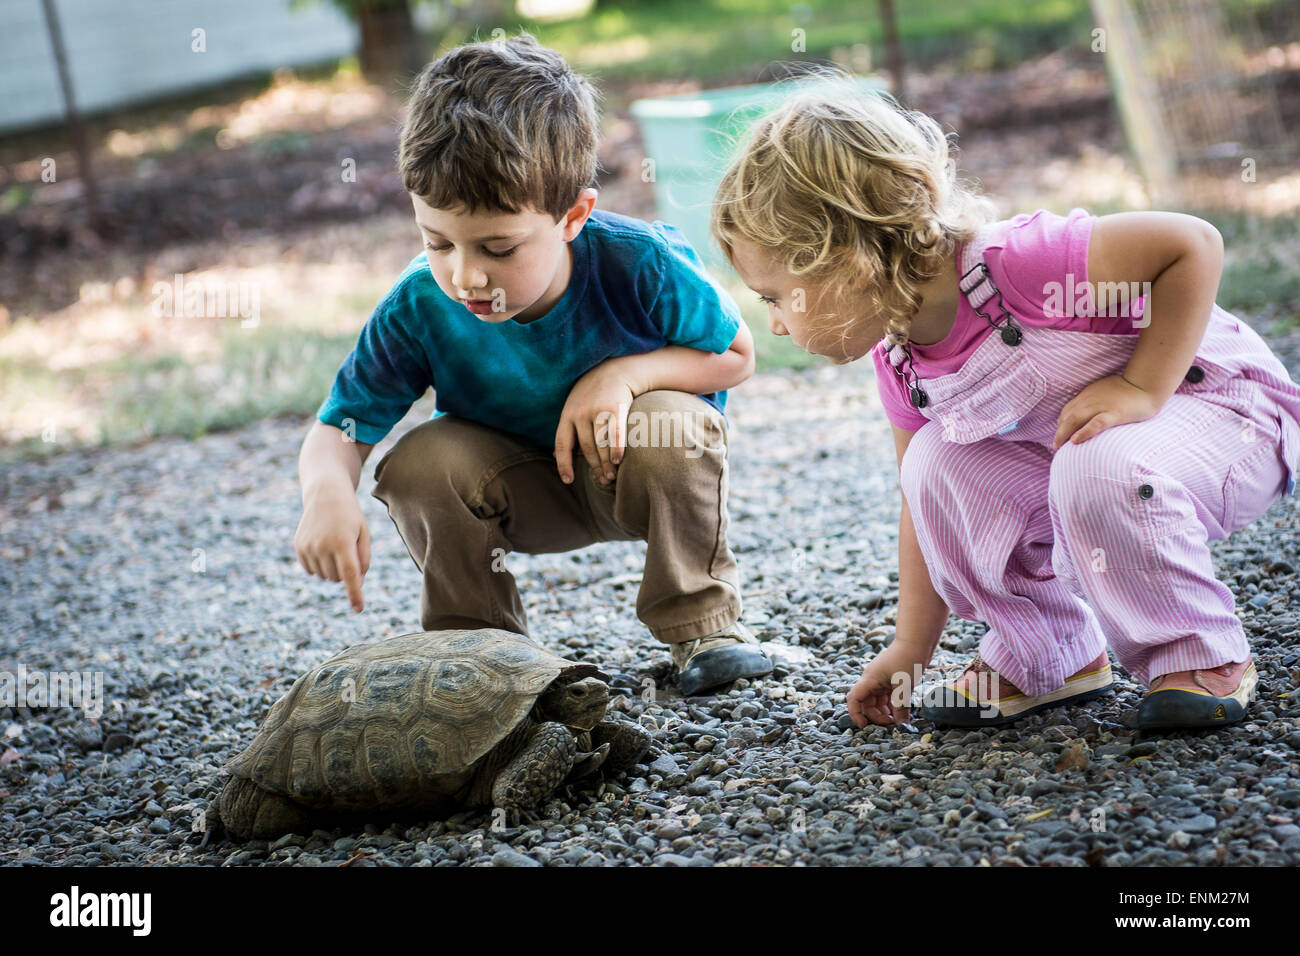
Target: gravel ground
170, 569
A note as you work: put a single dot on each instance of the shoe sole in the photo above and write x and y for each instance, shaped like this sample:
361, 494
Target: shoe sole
1179, 709
1077, 690
713, 669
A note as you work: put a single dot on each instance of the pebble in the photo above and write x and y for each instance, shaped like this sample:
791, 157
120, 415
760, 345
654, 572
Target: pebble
767, 772
509, 857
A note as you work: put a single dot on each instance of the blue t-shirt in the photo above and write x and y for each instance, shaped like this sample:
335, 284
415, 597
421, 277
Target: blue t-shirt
635, 287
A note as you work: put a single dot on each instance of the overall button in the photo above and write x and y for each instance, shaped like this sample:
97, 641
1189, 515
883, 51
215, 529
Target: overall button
1146, 491
1195, 374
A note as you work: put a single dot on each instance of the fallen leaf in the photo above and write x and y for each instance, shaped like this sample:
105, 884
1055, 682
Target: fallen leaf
9, 756
1041, 814
1075, 756
890, 781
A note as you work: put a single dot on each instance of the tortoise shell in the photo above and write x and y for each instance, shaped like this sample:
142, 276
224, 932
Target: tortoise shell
402, 720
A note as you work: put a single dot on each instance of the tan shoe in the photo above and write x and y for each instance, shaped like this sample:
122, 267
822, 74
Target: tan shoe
1204, 697
981, 697
709, 662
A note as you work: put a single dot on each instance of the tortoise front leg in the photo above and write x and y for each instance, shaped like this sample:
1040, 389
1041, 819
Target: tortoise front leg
588, 763
627, 742
537, 770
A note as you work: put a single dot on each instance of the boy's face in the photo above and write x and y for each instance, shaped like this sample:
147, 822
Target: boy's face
795, 307
501, 265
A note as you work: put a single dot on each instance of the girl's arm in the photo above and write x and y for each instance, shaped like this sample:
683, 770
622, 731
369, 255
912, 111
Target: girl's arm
922, 613
1182, 258
882, 693
1179, 259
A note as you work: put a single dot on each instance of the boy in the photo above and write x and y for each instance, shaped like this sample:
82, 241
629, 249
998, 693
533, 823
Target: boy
547, 331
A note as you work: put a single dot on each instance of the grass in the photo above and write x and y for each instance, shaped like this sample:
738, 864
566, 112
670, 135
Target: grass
256, 374
277, 368
286, 366
273, 370
1261, 265
709, 39
283, 368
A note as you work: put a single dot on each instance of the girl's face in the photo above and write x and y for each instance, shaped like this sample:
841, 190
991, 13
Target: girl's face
800, 310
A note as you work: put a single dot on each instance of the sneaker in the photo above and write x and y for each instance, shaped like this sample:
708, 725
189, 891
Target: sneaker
1206, 697
980, 697
709, 662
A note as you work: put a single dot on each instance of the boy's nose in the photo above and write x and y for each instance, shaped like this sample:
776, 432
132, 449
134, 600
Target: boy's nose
777, 328
466, 278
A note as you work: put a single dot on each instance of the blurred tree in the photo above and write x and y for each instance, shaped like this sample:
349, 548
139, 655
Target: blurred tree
75, 132
391, 45
893, 48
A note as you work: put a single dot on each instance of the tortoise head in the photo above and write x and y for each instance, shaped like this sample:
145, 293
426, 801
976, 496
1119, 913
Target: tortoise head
578, 703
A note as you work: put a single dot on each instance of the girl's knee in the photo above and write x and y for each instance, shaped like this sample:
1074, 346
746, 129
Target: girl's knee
1091, 477
926, 459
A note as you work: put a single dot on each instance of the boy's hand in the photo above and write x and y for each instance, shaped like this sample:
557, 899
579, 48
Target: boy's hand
871, 699
333, 542
596, 414
1107, 402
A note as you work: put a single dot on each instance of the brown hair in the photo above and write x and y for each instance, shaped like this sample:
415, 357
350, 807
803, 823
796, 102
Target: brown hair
853, 191
500, 125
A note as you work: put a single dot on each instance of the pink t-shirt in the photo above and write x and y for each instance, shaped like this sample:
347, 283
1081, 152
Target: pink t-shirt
1039, 263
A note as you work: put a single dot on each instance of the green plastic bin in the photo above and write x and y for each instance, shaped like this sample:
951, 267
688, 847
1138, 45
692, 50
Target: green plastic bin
691, 138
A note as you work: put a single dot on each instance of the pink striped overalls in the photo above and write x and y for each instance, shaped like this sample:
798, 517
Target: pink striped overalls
1104, 541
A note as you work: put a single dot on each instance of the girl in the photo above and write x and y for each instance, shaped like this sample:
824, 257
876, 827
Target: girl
1074, 416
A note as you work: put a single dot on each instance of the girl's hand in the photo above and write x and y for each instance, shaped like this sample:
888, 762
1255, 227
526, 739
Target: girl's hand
871, 700
596, 414
1107, 402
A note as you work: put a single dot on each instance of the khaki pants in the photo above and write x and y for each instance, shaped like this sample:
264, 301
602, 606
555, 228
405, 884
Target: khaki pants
464, 495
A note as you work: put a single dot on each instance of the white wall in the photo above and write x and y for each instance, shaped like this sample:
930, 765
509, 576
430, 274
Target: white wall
120, 51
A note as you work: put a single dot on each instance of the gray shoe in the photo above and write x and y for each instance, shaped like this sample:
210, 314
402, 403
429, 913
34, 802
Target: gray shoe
709, 662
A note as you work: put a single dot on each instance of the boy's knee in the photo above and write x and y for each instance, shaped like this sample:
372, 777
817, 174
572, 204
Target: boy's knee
433, 454
668, 430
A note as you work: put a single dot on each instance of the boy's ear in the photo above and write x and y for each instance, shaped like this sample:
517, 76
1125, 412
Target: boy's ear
577, 215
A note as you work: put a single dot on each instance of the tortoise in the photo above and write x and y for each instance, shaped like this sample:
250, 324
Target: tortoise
435, 722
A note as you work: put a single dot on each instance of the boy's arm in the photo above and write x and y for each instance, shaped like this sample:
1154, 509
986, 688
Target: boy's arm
595, 413
683, 369
326, 462
332, 541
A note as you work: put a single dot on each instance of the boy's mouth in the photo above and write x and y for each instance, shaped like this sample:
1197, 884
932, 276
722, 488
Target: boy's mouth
478, 306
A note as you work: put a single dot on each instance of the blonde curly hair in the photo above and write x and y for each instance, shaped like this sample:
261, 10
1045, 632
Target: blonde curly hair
853, 192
